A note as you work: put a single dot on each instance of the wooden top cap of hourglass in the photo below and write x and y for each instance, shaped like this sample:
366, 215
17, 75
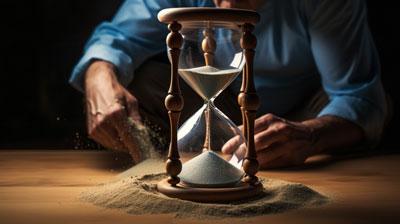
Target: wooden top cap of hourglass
188, 14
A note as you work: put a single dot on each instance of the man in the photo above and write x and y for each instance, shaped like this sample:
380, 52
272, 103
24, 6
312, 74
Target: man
316, 71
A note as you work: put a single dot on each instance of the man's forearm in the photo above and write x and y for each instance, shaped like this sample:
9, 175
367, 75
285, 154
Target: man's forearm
99, 70
333, 134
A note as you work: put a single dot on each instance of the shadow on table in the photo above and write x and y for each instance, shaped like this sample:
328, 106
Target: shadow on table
119, 161
116, 161
320, 161
122, 161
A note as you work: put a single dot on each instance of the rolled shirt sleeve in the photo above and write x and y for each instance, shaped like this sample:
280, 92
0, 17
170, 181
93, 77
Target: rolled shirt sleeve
341, 45
347, 60
133, 35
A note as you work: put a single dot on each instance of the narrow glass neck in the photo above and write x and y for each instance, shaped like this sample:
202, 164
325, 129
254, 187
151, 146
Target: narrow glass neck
210, 103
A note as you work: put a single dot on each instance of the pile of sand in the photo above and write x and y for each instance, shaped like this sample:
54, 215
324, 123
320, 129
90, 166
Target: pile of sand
138, 195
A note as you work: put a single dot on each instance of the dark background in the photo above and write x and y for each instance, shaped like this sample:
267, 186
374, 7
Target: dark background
42, 40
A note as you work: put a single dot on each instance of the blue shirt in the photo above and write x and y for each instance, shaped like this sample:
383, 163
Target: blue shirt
301, 45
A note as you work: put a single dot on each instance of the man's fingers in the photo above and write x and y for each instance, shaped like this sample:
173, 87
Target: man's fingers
120, 121
241, 152
269, 129
270, 154
110, 135
264, 122
113, 130
130, 142
231, 145
99, 138
134, 114
282, 155
132, 108
103, 136
268, 137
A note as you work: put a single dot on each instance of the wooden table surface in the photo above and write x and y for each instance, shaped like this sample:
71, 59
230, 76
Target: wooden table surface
43, 186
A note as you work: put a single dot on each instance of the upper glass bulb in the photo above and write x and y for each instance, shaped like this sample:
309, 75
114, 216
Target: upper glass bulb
211, 56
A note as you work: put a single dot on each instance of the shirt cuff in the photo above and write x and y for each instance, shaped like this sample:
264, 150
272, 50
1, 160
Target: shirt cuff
360, 112
119, 59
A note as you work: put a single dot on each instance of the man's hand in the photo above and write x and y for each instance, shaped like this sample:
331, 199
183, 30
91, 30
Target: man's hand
110, 107
280, 142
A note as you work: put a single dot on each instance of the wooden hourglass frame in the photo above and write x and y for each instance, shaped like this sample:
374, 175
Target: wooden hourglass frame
247, 99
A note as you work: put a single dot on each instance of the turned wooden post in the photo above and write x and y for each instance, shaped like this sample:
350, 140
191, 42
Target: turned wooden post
174, 102
241, 104
250, 103
208, 46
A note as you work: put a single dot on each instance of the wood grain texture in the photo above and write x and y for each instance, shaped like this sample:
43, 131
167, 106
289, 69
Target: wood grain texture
210, 195
43, 187
208, 46
249, 103
174, 102
238, 16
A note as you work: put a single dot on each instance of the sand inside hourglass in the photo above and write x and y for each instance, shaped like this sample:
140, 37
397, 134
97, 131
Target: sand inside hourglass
215, 171
207, 80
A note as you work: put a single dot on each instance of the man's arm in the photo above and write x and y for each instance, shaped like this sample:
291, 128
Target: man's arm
111, 55
281, 143
346, 58
133, 35
109, 106
347, 61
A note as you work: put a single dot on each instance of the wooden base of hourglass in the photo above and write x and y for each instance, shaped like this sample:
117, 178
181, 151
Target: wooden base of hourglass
247, 99
240, 191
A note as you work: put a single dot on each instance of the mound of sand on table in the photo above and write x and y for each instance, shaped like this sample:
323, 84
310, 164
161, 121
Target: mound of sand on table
138, 195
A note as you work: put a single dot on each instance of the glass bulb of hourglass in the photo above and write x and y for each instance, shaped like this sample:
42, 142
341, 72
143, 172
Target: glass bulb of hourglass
208, 81
202, 137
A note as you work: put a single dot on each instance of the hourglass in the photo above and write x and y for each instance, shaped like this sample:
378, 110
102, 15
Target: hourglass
208, 48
